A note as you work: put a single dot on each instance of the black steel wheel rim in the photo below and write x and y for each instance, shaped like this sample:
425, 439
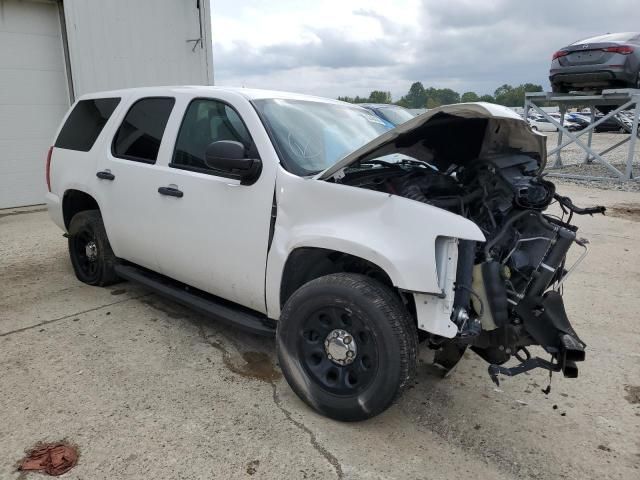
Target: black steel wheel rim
345, 380
80, 241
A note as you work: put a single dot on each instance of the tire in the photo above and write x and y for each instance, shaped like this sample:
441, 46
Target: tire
534, 128
89, 249
557, 88
372, 320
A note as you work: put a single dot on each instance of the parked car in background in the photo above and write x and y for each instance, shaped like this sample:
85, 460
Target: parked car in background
609, 125
541, 124
583, 120
308, 219
394, 115
611, 60
568, 122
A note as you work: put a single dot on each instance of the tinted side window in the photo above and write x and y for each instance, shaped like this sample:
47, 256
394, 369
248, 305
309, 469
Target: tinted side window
140, 133
206, 121
85, 122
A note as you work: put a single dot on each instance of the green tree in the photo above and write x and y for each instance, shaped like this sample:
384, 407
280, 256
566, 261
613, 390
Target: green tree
469, 97
487, 98
415, 97
440, 96
514, 96
356, 99
378, 96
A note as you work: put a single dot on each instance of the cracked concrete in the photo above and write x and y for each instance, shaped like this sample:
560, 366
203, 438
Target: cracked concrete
312, 436
265, 371
149, 389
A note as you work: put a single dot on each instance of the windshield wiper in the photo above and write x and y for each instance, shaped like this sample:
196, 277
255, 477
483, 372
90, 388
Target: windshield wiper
418, 162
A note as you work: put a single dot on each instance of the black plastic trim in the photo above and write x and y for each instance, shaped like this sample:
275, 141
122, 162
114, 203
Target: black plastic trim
205, 303
171, 192
104, 175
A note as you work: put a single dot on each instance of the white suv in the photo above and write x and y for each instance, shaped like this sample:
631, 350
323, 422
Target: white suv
308, 218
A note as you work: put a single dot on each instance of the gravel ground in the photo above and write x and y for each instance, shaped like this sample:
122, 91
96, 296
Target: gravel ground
573, 161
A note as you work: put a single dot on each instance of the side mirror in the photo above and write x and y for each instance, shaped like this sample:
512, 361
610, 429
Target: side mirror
229, 159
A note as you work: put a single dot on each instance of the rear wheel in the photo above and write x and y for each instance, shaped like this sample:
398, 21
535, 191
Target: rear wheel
89, 249
347, 346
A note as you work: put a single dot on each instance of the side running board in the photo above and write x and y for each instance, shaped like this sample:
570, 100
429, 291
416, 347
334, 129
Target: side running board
207, 304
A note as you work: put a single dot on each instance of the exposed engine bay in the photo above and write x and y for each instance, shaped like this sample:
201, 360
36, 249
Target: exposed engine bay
508, 290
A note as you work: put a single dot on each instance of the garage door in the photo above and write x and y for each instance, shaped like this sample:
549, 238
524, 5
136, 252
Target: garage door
33, 96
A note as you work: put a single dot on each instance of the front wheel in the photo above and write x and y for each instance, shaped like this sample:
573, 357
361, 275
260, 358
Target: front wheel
347, 346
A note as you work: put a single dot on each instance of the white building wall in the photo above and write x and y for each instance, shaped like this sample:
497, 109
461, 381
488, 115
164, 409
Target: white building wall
111, 44
132, 43
33, 96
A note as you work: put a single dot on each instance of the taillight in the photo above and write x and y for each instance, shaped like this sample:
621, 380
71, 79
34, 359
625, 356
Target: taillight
560, 53
623, 49
48, 168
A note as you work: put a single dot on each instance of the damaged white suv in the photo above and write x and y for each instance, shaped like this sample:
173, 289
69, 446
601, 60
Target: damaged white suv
308, 218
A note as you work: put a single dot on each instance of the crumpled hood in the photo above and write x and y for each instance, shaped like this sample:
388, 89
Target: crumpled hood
458, 133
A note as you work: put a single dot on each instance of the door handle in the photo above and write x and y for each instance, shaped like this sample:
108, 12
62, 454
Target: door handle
105, 175
170, 191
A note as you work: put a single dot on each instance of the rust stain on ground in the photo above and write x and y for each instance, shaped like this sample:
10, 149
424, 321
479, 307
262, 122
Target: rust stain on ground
633, 394
252, 467
256, 365
629, 211
164, 308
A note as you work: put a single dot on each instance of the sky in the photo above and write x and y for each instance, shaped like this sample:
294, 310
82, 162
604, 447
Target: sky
350, 47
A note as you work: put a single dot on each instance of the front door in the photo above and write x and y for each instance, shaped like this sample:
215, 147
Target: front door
215, 231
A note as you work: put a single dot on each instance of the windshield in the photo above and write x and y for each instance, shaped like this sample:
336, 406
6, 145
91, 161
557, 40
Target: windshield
396, 115
311, 136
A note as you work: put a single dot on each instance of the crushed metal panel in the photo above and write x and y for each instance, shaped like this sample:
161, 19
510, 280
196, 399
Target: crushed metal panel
506, 130
433, 311
395, 233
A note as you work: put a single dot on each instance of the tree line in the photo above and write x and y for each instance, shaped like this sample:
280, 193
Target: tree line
420, 97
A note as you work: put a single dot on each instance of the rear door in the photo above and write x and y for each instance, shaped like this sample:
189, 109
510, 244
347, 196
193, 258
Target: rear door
215, 234
128, 180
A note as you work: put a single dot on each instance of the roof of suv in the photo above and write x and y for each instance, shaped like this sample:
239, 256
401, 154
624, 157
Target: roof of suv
248, 93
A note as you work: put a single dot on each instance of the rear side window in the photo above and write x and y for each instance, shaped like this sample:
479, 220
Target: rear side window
85, 122
140, 133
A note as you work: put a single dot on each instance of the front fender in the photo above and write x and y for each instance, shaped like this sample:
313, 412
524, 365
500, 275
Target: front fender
395, 233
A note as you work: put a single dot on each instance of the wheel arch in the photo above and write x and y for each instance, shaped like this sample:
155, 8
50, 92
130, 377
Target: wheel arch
75, 201
304, 264
308, 263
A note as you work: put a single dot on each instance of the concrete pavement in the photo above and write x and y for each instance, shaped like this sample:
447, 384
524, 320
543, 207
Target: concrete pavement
149, 389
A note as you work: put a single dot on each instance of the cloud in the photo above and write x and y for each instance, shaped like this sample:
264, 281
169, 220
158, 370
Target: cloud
349, 47
328, 49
